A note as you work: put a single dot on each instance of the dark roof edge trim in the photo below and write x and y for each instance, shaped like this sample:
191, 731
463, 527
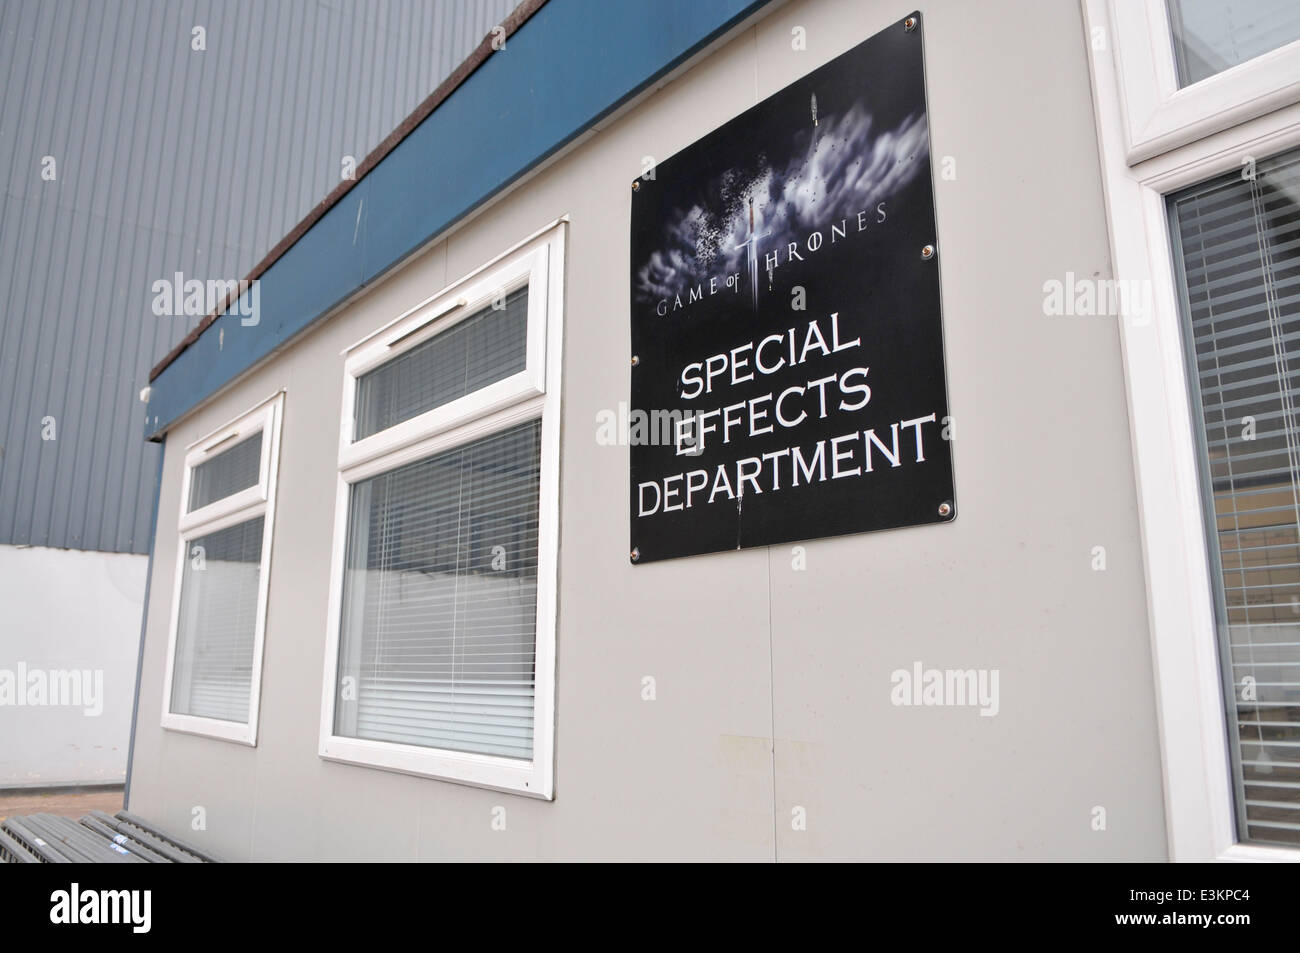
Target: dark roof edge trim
517, 18
571, 64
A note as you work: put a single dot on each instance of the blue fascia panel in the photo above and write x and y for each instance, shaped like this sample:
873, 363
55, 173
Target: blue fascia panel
571, 64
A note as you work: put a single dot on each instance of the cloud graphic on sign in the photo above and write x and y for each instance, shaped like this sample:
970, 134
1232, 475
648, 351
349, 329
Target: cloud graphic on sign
838, 169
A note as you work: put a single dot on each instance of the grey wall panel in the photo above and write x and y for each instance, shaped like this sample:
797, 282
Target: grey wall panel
168, 160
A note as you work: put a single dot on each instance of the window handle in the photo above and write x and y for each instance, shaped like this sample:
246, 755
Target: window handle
441, 312
226, 439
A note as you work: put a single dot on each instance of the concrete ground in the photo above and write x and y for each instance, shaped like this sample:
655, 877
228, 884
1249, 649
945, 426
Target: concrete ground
67, 802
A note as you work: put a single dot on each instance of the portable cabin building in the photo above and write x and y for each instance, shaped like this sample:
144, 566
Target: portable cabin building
976, 322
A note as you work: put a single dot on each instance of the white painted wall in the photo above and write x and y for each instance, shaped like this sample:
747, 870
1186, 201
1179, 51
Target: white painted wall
62, 611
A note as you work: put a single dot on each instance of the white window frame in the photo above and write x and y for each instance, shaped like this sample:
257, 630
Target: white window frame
531, 394
247, 504
1157, 115
1196, 765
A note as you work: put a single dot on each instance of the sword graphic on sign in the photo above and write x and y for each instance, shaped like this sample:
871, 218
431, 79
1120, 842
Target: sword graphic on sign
752, 243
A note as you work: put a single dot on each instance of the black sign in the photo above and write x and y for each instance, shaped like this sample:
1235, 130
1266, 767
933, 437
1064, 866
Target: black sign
787, 370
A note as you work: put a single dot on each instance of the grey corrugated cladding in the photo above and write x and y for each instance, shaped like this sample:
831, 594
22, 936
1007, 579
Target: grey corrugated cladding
167, 160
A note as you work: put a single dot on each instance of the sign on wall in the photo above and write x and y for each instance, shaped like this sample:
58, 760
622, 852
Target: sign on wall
787, 377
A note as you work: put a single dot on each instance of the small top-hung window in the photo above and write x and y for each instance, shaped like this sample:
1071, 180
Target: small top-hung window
488, 346
230, 471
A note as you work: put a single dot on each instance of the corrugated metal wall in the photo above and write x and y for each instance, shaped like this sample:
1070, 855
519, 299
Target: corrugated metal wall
165, 159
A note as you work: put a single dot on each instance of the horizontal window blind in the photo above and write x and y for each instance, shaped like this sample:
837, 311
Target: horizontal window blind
1238, 251
1211, 36
484, 348
227, 473
218, 623
438, 629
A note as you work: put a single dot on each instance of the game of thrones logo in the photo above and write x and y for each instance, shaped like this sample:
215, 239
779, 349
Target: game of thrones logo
786, 318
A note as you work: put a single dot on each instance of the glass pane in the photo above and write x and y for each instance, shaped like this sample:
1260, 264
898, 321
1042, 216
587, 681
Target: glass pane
486, 347
218, 621
1211, 36
1238, 252
440, 600
227, 473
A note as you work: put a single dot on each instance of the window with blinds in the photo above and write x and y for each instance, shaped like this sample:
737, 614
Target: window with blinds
1237, 249
441, 653
226, 518
438, 616
440, 600
218, 621
1211, 36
